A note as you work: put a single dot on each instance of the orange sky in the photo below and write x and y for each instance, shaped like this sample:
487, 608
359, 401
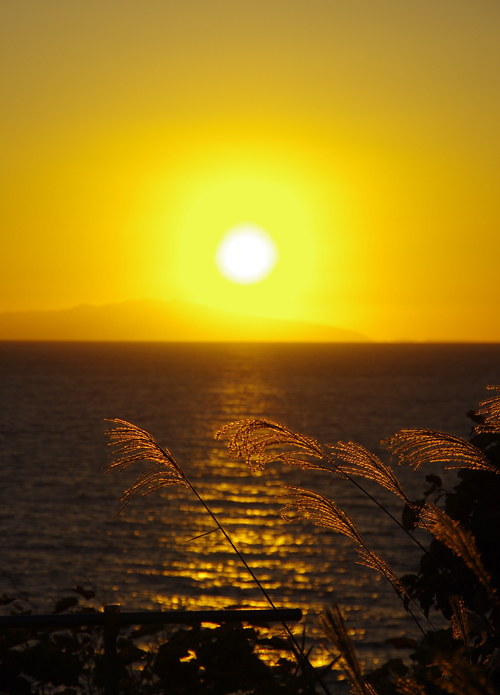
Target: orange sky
363, 136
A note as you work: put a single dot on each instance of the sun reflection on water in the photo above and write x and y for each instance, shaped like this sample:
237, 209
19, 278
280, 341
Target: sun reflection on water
299, 565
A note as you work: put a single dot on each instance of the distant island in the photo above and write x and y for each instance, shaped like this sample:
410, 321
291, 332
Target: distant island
154, 320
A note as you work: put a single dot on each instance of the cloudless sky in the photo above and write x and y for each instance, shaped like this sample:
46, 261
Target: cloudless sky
363, 135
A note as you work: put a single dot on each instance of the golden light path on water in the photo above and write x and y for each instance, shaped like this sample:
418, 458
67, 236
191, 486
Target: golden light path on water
221, 581
300, 565
143, 559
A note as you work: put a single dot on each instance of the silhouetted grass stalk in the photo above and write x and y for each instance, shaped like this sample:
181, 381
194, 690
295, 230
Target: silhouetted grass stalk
252, 440
133, 444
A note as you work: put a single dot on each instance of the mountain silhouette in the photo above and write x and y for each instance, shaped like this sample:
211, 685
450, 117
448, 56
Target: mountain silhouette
154, 320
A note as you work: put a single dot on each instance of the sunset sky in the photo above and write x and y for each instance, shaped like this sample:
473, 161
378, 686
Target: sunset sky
362, 136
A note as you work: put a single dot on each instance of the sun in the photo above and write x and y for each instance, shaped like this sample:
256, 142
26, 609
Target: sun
249, 232
246, 254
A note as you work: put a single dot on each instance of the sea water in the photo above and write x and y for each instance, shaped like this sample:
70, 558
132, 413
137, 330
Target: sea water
57, 507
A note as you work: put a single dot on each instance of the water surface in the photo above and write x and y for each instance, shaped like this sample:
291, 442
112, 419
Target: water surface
57, 507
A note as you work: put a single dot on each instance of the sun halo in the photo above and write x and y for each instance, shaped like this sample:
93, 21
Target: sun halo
281, 201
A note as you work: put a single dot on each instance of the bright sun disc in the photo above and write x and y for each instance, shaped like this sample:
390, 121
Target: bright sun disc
246, 254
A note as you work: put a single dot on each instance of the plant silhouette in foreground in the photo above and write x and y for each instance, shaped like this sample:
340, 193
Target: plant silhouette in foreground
132, 444
151, 660
459, 571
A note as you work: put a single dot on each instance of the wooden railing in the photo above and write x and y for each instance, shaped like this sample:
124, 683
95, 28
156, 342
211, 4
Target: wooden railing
112, 619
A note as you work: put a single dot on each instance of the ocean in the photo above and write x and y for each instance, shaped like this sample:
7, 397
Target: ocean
57, 507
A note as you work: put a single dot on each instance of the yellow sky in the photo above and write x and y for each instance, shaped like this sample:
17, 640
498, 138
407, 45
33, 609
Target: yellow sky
362, 135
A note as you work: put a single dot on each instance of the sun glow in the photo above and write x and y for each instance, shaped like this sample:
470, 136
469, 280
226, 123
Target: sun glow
254, 230
286, 214
246, 254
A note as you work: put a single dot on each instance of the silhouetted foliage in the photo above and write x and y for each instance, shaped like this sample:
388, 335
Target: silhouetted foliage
458, 576
459, 573
151, 660
471, 646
